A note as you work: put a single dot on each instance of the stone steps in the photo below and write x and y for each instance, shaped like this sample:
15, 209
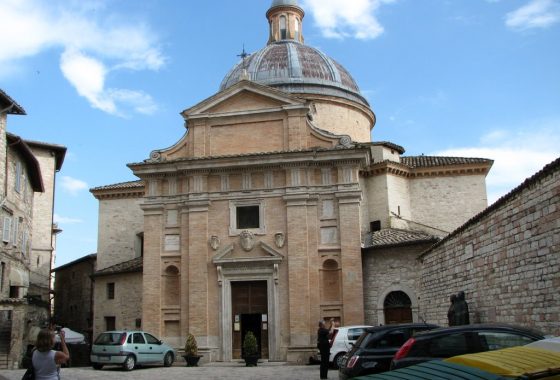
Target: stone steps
3, 361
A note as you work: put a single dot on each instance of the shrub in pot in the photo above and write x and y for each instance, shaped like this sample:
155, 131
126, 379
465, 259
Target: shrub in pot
191, 351
250, 350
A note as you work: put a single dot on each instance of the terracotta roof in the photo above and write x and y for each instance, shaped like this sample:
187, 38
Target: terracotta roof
92, 256
389, 144
549, 169
120, 186
58, 150
6, 101
33, 167
131, 266
390, 237
430, 161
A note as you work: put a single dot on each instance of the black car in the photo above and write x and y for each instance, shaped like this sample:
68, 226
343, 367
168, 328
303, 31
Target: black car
375, 348
459, 340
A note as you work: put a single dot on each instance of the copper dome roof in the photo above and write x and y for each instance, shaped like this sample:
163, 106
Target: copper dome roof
296, 68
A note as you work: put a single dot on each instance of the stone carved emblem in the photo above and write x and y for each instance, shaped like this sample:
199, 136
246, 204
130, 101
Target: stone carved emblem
279, 239
214, 242
247, 240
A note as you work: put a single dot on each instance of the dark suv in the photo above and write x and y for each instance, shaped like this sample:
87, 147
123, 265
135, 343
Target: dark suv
459, 340
375, 348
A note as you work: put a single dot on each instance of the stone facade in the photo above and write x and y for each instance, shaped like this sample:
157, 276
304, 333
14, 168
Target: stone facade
22, 308
506, 259
257, 216
73, 295
50, 158
125, 304
391, 269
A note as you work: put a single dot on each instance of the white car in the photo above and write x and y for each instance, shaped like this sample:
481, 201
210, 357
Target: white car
342, 340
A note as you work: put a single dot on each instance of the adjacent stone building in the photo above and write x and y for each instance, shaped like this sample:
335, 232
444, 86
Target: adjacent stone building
73, 295
24, 297
256, 218
506, 259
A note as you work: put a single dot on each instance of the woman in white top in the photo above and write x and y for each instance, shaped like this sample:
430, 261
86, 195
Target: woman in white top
46, 361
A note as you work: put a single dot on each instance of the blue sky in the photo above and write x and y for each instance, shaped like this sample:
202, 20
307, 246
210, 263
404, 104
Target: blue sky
108, 78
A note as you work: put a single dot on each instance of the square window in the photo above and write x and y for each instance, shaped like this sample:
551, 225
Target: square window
247, 217
111, 291
110, 323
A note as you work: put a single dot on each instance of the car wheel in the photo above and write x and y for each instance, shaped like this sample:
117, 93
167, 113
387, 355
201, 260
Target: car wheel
129, 363
97, 366
337, 361
168, 360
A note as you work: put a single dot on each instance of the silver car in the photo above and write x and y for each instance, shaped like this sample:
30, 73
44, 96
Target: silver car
129, 348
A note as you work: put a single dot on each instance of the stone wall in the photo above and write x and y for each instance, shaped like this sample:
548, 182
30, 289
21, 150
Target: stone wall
506, 259
387, 270
126, 306
42, 244
120, 220
446, 202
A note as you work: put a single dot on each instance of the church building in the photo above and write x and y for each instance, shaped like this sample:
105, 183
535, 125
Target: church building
263, 214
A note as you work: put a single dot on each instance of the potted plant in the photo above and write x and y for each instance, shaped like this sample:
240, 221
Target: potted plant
191, 351
250, 350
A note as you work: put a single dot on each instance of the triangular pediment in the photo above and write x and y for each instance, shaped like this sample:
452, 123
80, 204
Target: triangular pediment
260, 253
243, 97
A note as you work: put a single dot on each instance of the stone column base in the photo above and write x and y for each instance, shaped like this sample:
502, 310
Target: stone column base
301, 355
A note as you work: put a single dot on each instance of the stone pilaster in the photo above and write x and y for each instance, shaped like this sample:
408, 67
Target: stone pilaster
298, 274
351, 258
151, 279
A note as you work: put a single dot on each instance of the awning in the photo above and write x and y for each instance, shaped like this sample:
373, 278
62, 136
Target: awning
19, 277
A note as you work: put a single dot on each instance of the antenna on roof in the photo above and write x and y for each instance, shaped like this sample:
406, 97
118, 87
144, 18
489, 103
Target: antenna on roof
244, 55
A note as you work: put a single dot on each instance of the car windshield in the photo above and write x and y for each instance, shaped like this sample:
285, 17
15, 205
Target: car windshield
109, 339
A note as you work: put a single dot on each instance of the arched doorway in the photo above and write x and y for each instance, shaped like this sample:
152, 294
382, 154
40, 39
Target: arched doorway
397, 308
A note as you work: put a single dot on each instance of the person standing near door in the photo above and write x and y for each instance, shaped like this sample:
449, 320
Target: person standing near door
324, 346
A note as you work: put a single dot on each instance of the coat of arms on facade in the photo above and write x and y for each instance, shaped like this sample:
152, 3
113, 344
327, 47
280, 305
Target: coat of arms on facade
247, 240
279, 239
214, 242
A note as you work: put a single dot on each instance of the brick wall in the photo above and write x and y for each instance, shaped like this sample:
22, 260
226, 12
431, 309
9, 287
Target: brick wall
506, 259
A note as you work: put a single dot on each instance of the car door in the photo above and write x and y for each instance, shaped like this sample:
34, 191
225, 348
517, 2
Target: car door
138, 346
154, 349
381, 351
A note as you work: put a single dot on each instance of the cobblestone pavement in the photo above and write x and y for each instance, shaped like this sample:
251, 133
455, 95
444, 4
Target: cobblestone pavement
214, 371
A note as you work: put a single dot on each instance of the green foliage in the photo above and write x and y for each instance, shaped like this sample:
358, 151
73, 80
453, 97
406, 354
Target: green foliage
250, 347
191, 347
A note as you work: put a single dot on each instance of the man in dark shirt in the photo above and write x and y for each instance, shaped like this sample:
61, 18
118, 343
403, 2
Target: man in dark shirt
324, 346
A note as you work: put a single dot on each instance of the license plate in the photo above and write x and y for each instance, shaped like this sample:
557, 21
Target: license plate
104, 358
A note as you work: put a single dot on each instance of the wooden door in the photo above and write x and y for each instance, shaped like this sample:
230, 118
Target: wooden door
249, 304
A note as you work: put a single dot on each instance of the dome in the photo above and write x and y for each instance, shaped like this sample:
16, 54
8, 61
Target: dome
296, 68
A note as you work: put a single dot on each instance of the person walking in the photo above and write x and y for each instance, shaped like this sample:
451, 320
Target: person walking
46, 361
324, 346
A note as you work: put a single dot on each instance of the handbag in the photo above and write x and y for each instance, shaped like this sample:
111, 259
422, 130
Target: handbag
29, 374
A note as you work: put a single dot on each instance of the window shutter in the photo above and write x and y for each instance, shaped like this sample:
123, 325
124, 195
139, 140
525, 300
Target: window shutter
6, 229
16, 231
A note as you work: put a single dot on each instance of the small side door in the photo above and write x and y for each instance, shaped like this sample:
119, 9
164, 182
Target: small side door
154, 349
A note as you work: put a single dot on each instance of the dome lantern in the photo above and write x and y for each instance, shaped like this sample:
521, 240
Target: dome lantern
285, 21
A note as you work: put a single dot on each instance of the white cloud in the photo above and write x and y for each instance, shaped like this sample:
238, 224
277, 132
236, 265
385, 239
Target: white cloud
351, 18
517, 154
535, 14
72, 185
66, 220
93, 42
